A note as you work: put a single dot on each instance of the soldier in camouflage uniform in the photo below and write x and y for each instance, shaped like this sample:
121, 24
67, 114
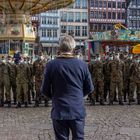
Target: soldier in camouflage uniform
12, 67
91, 96
135, 80
38, 72
107, 76
1, 82
116, 69
6, 74
31, 90
98, 79
128, 62
22, 75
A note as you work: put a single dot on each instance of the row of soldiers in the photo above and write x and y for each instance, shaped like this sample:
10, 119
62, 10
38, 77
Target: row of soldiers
117, 75
23, 79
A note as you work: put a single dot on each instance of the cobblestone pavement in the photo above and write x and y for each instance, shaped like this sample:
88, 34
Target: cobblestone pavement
102, 123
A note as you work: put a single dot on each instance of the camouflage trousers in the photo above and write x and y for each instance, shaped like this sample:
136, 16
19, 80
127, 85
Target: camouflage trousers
5, 83
20, 87
31, 90
113, 86
106, 88
13, 87
98, 90
2, 91
126, 88
37, 89
134, 85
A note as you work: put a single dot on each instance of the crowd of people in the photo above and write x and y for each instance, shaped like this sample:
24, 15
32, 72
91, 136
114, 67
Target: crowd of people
20, 80
116, 78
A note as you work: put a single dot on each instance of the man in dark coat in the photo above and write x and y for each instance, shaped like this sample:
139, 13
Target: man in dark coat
66, 81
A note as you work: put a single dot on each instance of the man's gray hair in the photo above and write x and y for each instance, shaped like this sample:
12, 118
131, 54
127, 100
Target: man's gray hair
67, 44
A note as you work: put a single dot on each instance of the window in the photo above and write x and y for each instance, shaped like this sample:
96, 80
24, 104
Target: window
109, 4
64, 16
84, 17
104, 15
70, 16
77, 17
43, 32
100, 3
54, 33
104, 4
96, 3
55, 22
77, 3
70, 30
63, 29
50, 21
43, 20
49, 33
113, 15
77, 30
84, 31
91, 3
119, 4
96, 14
84, 4
114, 4
109, 15
123, 16
123, 5
91, 14
119, 16
99, 15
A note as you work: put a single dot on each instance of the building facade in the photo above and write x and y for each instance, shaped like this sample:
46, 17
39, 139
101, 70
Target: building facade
104, 14
49, 31
74, 21
133, 15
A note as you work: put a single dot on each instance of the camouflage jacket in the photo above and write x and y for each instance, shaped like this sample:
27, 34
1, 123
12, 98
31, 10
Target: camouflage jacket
38, 69
135, 72
22, 73
116, 69
97, 71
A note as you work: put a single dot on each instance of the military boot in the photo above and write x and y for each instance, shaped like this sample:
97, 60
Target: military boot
26, 104
110, 102
102, 102
15, 101
18, 105
130, 102
46, 103
9, 103
36, 104
1, 103
121, 103
138, 102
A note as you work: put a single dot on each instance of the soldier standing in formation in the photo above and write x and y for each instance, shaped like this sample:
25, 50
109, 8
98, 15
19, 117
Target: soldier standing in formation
2, 82
127, 62
31, 90
22, 75
97, 77
116, 69
12, 67
38, 72
135, 80
107, 76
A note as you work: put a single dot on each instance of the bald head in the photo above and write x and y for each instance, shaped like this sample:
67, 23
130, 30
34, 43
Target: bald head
67, 44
